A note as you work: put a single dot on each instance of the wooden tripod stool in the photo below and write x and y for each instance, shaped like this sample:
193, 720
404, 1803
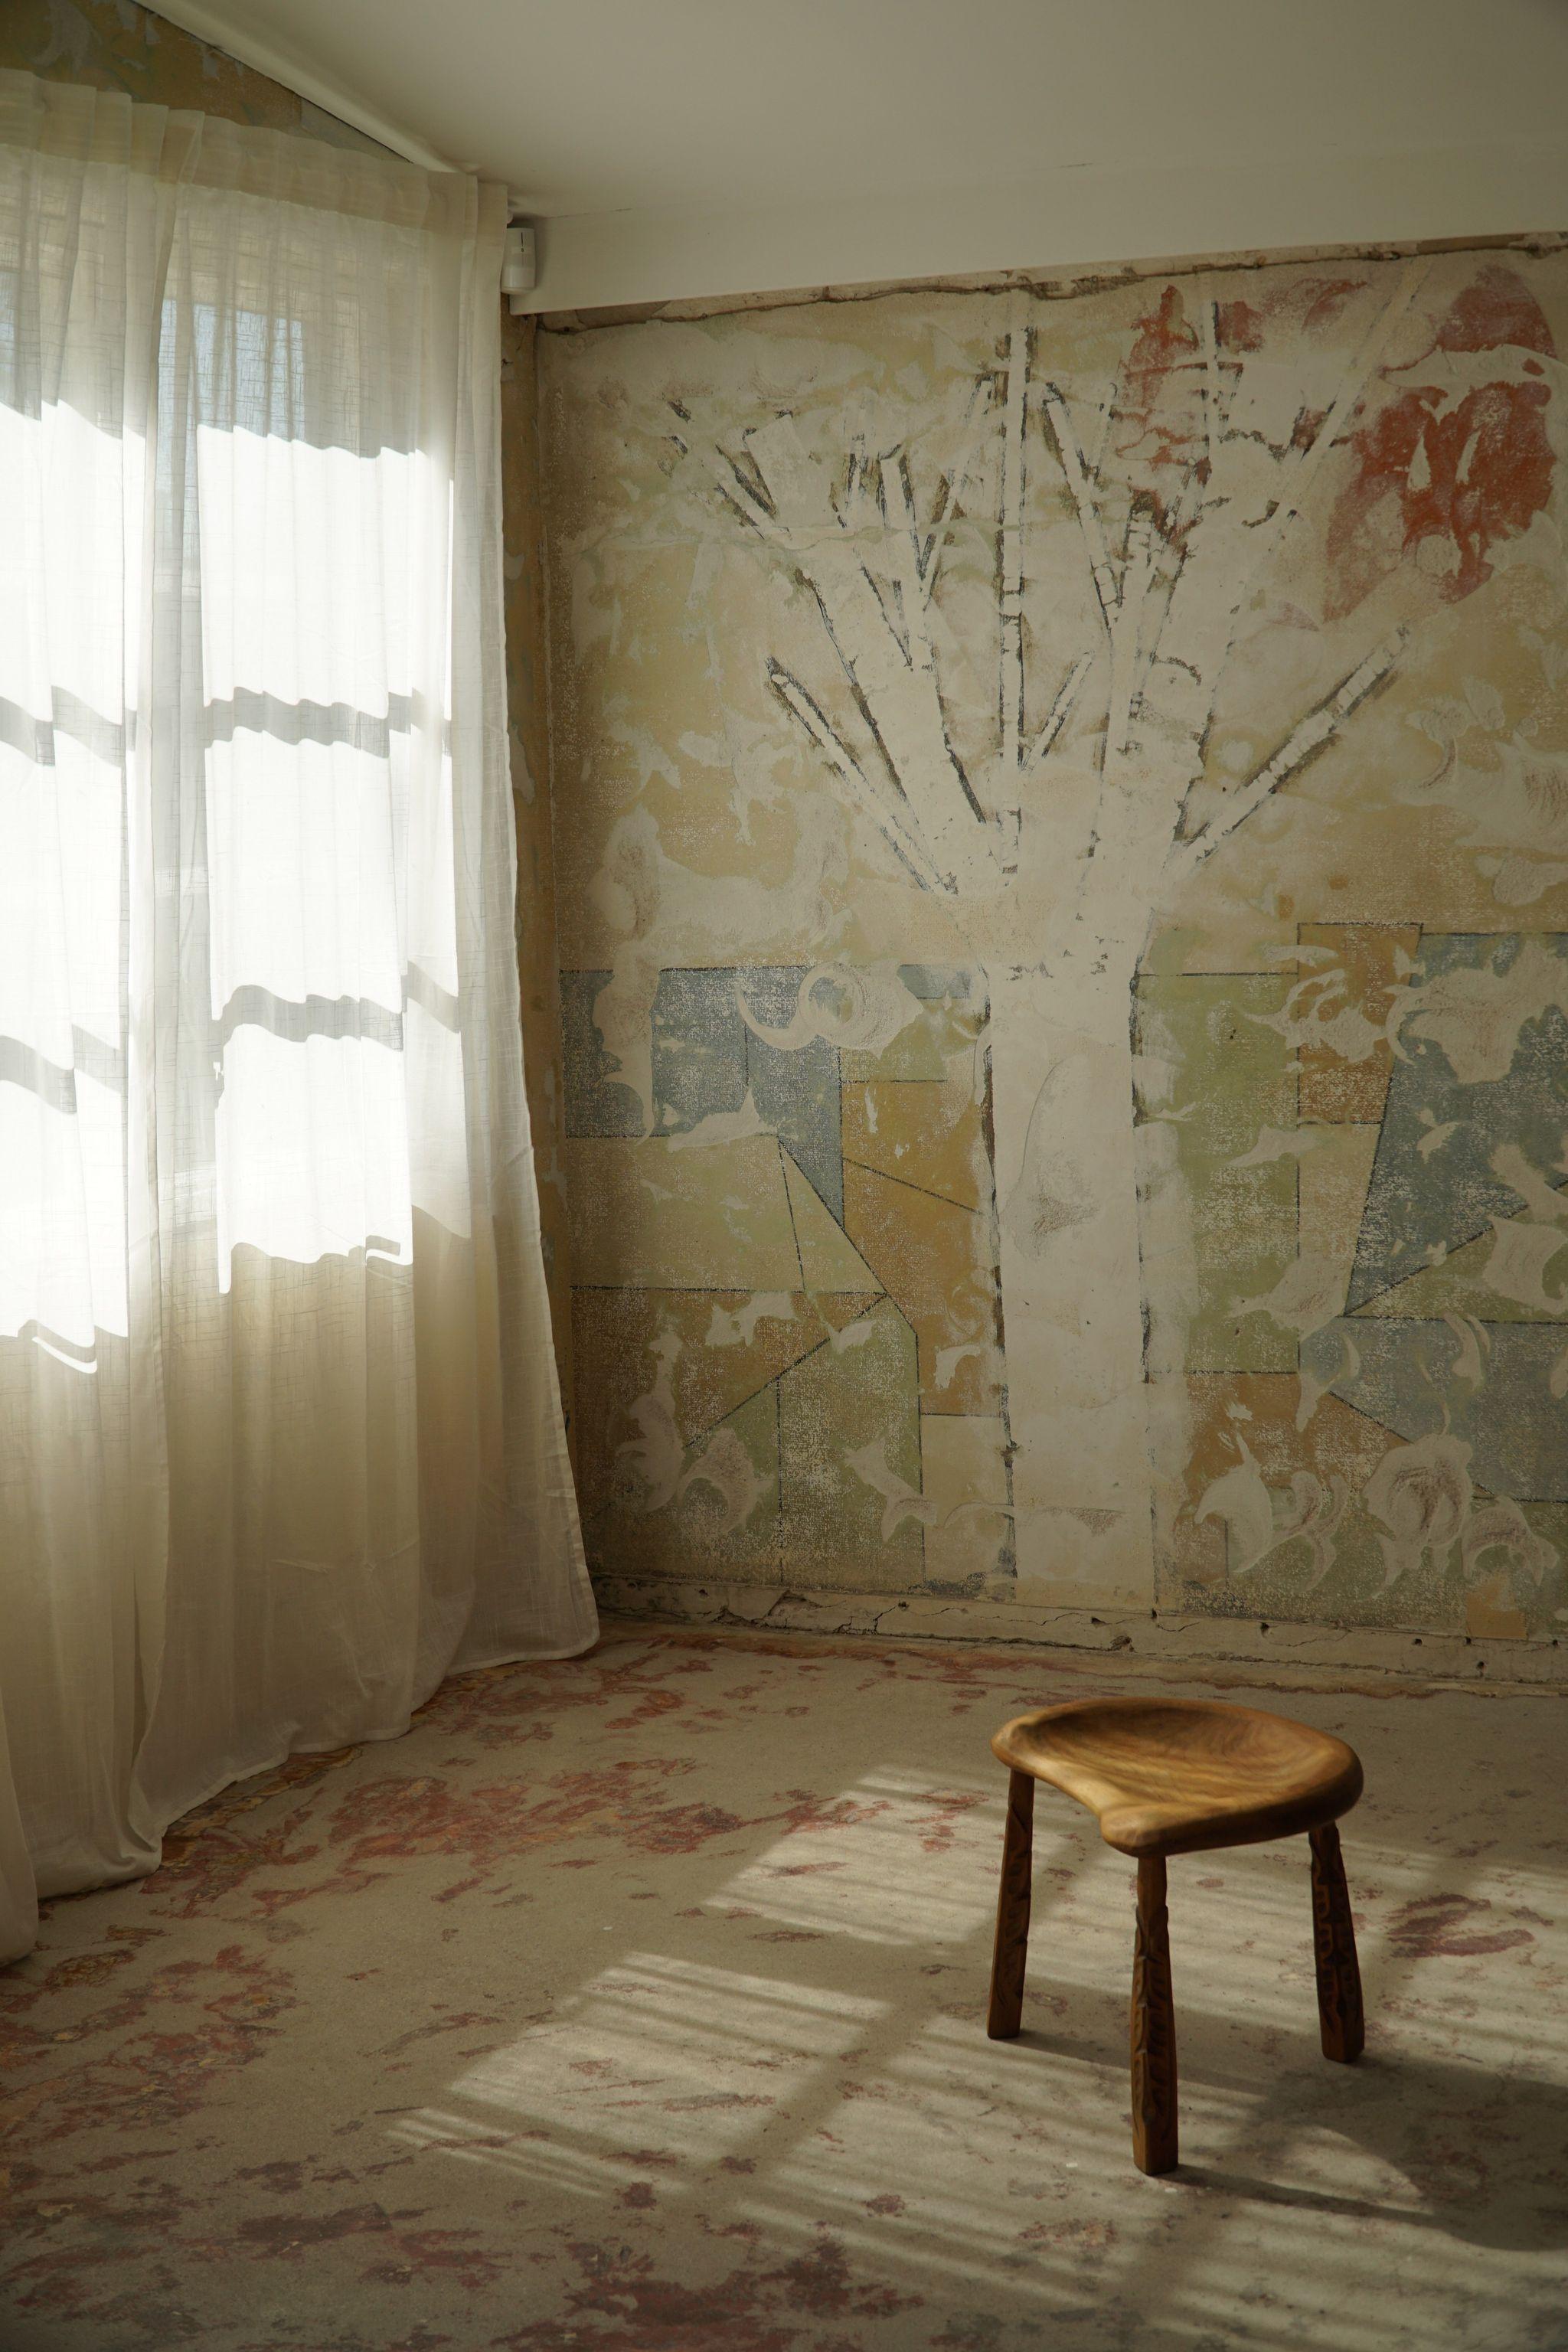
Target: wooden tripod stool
1178, 1776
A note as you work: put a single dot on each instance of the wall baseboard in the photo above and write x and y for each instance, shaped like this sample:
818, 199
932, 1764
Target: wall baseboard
1138, 1641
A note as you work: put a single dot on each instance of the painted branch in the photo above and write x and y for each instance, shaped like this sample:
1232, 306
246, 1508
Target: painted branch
1340, 2018
1080, 483
1310, 736
1228, 550
999, 842
1214, 421
894, 684
1154, 2026
860, 509
741, 500
1056, 718
892, 820
969, 438
889, 610
901, 705
879, 516
1010, 682
1104, 419
904, 557
1010, 1956
1126, 634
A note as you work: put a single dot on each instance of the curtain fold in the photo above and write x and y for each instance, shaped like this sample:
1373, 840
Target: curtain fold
280, 1439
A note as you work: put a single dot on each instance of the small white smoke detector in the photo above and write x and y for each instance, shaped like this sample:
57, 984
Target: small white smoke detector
518, 270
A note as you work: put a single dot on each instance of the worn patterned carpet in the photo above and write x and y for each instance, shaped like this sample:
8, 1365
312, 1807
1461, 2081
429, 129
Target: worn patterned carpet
635, 2004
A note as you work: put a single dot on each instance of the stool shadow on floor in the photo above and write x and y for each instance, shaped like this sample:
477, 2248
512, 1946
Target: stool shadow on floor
1392, 2109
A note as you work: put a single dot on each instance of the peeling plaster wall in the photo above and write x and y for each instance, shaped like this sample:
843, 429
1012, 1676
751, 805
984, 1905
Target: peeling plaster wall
115, 46
522, 526
1062, 841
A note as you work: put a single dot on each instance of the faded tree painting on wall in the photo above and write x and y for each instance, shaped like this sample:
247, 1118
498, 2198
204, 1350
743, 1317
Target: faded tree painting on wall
1067, 1045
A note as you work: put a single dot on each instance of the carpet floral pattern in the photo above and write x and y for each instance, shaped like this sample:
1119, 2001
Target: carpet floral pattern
637, 2004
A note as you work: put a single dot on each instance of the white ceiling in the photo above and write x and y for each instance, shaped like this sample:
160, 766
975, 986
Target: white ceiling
689, 147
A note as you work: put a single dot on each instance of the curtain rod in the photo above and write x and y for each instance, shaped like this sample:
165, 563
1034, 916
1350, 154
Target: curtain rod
212, 25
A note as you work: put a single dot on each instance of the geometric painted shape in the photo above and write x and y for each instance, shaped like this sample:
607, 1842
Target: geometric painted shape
934, 1259
615, 1334
734, 1348
929, 1134
597, 1102
698, 1049
837, 1403
828, 1260
715, 1523
755, 1425
795, 1089
706, 1058
1332, 1181
1491, 1614
655, 1212
1260, 1410
1334, 1089
663, 1369
1433, 1182
1405, 1379
963, 1478
1513, 1253
1334, 1570
1233, 1083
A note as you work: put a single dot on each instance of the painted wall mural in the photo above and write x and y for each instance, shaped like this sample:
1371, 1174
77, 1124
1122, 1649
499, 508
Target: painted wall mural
1061, 805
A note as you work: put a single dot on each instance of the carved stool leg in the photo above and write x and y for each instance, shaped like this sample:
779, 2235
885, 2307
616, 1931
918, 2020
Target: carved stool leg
1340, 2012
1154, 2026
1011, 1954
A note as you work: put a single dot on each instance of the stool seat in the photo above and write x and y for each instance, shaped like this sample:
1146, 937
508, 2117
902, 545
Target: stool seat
1179, 1776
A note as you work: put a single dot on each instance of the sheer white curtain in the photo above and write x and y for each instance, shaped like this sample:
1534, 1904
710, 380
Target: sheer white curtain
280, 1439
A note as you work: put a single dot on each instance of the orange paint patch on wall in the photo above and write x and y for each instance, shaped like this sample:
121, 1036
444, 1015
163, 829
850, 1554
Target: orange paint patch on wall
928, 1133
1491, 1614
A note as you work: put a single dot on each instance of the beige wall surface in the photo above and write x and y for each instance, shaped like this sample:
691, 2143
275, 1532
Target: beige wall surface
115, 46
1062, 845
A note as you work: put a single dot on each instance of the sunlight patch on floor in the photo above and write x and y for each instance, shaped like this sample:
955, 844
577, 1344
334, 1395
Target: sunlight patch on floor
901, 1865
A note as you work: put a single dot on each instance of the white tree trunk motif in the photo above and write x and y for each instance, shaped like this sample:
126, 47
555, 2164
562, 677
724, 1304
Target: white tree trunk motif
1171, 576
